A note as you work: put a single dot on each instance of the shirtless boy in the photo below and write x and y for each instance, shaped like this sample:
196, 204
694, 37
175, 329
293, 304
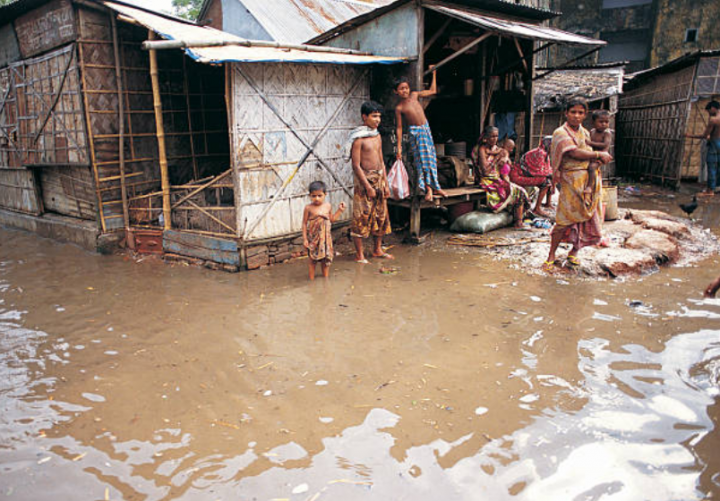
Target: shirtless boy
370, 214
318, 218
712, 135
424, 154
600, 140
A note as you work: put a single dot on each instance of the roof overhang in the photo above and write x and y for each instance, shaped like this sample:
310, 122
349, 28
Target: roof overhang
211, 46
516, 29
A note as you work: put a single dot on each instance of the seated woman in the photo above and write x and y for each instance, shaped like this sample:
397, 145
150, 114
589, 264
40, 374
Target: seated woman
491, 167
535, 170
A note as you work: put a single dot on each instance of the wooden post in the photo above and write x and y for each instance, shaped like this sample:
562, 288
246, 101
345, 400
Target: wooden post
121, 122
160, 133
529, 62
415, 219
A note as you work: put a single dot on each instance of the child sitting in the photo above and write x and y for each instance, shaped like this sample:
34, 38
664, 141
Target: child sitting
600, 140
316, 229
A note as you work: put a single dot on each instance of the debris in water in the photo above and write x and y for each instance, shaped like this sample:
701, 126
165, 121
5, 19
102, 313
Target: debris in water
44, 460
326, 420
267, 393
389, 270
321, 382
481, 410
300, 489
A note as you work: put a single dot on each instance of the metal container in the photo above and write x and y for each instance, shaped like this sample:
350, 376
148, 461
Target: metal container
456, 149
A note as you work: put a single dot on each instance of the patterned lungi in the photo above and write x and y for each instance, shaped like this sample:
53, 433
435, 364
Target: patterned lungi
370, 215
424, 156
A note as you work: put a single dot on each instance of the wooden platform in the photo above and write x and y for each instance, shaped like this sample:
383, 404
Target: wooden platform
454, 196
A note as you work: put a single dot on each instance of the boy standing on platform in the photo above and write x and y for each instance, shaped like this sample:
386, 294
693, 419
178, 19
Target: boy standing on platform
424, 155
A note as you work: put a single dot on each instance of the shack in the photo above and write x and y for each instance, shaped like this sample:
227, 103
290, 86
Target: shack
600, 84
484, 54
201, 144
658, 107
285, 21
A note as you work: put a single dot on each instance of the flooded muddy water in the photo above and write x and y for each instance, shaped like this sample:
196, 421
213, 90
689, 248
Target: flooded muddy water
457, 378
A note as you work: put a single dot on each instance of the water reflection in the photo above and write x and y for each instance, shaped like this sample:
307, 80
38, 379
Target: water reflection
145, 382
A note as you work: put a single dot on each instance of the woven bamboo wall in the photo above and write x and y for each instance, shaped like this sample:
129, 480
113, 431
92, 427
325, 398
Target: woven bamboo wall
651, 122
41, 124
195, 124
266, 152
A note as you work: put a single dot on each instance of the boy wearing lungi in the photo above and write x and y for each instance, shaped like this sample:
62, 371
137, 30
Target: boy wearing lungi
424, 155
370, 213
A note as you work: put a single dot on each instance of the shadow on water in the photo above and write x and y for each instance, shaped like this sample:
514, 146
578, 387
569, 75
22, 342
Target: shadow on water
456, 378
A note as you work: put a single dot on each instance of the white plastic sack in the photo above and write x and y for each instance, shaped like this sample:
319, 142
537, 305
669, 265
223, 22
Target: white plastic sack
398, 181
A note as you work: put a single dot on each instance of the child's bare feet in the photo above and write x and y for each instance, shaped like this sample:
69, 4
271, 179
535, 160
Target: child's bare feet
428, 195
384, 255
442, 193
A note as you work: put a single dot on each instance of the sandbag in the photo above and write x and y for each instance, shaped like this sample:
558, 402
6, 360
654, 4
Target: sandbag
481, 222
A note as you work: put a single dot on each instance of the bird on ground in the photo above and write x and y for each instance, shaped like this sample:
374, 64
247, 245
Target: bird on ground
690, 208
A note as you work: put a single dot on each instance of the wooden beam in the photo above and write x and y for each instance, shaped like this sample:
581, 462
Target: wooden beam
458, 53
520, 52
202, 187
160, 133
121, 122
437, 34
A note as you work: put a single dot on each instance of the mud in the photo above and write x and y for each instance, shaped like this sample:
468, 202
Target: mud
455, 377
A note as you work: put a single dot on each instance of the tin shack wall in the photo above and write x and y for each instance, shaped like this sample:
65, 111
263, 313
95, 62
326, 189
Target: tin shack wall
395, 33
266, 152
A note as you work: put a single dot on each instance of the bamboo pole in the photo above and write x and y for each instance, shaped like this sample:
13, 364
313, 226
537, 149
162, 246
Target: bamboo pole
121, 123
88, 124
160, 132
186, 90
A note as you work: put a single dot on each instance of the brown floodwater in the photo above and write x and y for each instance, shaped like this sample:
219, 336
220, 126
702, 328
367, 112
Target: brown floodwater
456, 378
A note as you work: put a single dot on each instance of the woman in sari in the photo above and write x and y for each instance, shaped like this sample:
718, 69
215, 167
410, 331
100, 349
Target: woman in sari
578, 217
534, 170
491, 167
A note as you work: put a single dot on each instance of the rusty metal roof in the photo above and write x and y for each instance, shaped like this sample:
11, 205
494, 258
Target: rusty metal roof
592, 83
295, 21
515, 28
232, 48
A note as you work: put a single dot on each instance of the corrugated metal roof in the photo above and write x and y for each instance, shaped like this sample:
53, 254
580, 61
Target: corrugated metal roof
634, 80
592, 84
295, 21
174, 30
515, 28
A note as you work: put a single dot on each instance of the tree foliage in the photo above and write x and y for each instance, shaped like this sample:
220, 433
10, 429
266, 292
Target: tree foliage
188, 9
5, 2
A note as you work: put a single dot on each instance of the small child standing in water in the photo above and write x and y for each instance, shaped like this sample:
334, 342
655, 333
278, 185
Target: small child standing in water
600, 140
317, 229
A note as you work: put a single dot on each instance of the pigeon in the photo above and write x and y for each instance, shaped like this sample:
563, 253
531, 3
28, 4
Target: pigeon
690, 208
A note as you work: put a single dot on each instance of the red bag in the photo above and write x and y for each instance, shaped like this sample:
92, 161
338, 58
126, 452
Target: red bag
398, 181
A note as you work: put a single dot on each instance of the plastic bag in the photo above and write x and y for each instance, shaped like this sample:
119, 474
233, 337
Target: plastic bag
481, 222
398, 181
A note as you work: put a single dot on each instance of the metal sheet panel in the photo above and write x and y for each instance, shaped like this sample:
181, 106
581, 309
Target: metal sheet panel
394, 33
515, 28
45, 28
295, 21
188, 32
267, 152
